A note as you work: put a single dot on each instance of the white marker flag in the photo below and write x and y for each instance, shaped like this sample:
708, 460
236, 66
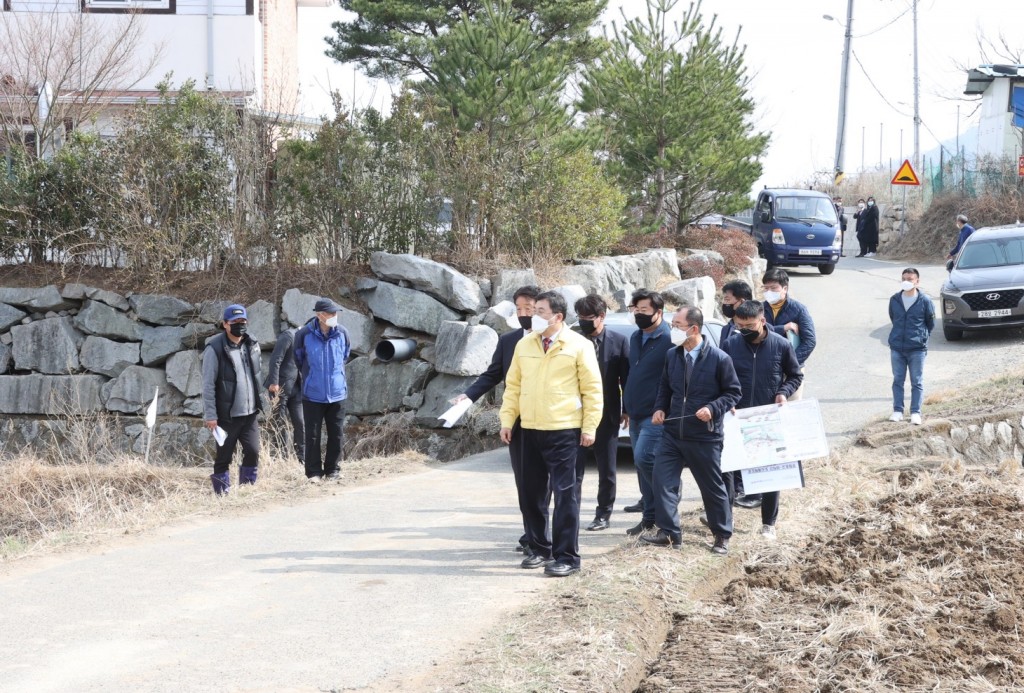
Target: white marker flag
151, 411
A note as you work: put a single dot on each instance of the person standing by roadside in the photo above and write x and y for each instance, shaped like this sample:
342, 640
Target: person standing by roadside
769, 373
841, 213
698, 386
321, 348
612, 351
553, 388
231, 397
964, 232
912, 314
870, 215
859, 219
284, 386
647, 349
524, 299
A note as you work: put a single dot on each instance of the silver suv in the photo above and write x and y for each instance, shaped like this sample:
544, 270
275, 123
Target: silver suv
986, 283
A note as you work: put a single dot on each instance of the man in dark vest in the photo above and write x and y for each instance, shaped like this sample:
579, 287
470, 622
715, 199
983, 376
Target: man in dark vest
283, 384
231, 397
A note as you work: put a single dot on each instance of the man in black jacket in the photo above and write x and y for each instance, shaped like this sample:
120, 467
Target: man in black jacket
613, 358
231, 397
283, 384
501, 361
769, 373
698, 386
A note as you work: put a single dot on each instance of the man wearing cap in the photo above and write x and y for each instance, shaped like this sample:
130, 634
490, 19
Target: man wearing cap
231, 397
321, 348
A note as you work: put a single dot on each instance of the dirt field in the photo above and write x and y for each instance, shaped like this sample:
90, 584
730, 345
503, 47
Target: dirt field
920, 590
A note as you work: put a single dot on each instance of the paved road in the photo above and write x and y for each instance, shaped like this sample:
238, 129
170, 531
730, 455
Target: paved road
380, 581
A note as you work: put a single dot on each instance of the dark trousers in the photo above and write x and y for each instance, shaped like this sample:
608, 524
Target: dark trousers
317, 415
704, 459
604, 450
862, 241
515, 453
240, 430
549, 461
289, 409
770, 508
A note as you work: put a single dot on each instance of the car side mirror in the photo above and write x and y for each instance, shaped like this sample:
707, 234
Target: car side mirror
949, 265
765, 217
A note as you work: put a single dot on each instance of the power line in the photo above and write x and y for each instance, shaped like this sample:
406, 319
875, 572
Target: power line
890, 22
875, 87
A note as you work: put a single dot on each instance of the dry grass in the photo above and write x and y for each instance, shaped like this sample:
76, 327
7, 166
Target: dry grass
1000, 392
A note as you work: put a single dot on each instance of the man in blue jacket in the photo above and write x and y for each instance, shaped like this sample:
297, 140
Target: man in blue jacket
769, 373
647, 349
698, 386
321, 348
965, 231
912, 314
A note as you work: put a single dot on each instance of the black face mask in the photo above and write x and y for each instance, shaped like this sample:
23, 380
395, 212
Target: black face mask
238, 329
526, 321
643, 321
750, 335
728, 310
587, 327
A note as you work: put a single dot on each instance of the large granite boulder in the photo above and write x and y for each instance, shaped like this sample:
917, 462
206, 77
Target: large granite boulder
360, 330
47, 346
463, 349
406, 307
375, 387
437, 400
161, 310
37, 300
571, 293
195, 334
211, 312
606, 275
501, 317
699, 292
5, 358
100, 319
507, 281
107, 357
158, 343
297, 307
9, 316
263, 322
114, 300
75, 292
51, 394
133, 390
185, 372
444, 283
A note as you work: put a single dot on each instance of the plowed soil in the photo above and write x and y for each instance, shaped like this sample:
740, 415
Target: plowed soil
920, 590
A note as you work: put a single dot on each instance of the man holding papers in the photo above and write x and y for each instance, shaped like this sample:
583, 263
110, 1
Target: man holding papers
769, 373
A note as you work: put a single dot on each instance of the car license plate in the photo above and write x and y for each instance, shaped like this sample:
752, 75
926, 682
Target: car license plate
993, 313
810, 251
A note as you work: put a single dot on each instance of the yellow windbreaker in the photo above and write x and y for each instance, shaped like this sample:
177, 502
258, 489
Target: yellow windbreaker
557, 390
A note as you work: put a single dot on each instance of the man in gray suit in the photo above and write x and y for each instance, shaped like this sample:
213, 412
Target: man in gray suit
286, 393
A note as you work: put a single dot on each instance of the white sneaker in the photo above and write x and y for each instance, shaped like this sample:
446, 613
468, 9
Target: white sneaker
915, 419
896, 416
869, 254
768, 531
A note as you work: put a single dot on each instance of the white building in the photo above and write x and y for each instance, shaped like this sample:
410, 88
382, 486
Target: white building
1001, 128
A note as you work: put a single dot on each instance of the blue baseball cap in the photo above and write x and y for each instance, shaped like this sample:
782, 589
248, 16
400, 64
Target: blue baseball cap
234, 312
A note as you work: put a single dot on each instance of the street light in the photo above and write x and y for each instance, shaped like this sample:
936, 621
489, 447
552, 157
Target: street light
843, 84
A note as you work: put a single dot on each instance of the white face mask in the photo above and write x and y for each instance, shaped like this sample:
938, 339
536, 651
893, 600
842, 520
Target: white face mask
860, 205
332, 321
906, 286
871, 203
773, 296
677, 336
539, 324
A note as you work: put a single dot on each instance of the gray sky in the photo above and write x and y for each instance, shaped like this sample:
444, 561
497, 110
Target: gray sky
794, 57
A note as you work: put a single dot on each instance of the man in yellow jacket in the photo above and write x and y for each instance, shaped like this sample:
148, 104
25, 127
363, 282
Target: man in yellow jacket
554, 387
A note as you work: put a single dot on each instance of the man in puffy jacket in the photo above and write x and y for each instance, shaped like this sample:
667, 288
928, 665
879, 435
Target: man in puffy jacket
769, 373
913, 318
321, 348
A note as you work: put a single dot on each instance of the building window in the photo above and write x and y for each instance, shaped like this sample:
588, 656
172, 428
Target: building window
1017, 104
141, 6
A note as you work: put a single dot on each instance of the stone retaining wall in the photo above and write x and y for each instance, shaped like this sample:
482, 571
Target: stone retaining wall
982, 439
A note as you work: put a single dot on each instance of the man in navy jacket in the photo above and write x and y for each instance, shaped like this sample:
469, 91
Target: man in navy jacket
784, 314
698, 386
612, 350
501, 361
965, 231
768, 372
912, 314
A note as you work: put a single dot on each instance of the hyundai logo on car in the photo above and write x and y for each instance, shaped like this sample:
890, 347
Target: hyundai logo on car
992, 297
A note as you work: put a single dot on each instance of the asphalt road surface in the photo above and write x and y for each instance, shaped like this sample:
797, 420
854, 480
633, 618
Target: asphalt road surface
383, 581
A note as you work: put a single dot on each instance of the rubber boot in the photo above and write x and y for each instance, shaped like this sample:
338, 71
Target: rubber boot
247, 475
221, 483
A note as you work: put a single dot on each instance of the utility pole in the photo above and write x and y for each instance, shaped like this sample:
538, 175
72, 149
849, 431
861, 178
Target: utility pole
917, 96
843, 87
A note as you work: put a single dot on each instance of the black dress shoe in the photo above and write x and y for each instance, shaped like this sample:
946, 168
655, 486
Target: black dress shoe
598, 524
749, 502
662, 538
559, 569
534, 560
640, 528
637, 507
521, 549
721, 546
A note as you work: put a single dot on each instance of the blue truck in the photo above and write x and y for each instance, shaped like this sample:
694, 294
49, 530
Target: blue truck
794, 227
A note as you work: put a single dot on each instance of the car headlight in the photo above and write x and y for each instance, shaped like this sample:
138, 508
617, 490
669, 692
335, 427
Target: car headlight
837, 242
948, 306
778, 238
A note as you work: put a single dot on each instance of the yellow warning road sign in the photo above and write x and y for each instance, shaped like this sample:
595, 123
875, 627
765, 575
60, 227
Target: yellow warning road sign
906, 175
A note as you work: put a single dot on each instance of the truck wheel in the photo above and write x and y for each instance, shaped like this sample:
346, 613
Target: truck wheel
826, 269
952, 335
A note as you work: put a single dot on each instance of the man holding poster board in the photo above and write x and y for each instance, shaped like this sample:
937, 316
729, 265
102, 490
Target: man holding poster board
769, 373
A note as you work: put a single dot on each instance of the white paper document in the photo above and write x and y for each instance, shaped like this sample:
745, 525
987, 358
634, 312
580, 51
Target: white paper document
457, 411
772, 435
220, 435
774, 477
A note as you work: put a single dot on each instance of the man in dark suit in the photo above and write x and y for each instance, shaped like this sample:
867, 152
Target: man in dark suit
612, 350
283, 385
524, 298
